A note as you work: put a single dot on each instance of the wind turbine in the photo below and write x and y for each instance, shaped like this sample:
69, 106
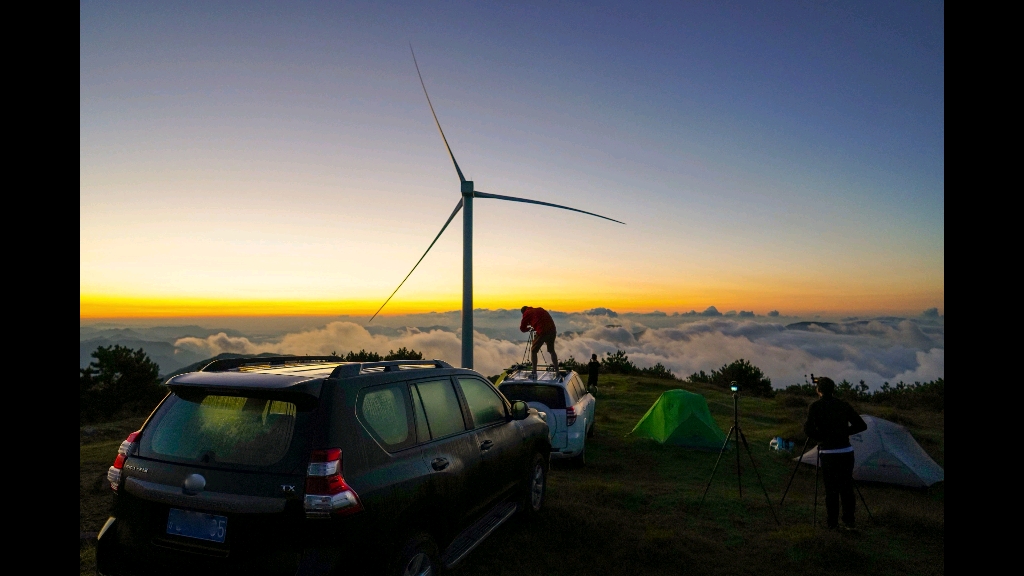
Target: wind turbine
466, 205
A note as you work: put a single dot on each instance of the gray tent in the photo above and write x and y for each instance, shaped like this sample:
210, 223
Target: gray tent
886, 452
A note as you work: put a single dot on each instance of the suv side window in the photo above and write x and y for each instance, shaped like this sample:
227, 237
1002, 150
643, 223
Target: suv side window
485, 406
580, 390
440, 406
384, 411
574, 394
422, 429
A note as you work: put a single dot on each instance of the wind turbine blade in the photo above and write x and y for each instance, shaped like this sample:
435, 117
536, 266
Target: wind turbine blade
450, 218
479, 194
461, 177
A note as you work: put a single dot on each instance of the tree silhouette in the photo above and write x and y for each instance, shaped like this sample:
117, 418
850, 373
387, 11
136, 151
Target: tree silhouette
748, 377
120, 379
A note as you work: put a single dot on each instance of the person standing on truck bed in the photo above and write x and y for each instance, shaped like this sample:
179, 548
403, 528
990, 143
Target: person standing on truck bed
544, 326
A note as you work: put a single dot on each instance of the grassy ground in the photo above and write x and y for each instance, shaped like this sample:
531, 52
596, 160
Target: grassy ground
97, 447
633, 508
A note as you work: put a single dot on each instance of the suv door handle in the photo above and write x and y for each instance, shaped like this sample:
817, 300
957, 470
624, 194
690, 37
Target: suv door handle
439, 464
486, 445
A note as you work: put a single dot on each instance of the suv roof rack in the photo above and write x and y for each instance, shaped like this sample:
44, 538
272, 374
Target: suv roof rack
232, 363
350, 369
343, 370
541, 368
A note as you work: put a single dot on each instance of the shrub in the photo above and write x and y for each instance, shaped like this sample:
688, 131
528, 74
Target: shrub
570, 363
619, 363
903, 396
748, 377
403, 353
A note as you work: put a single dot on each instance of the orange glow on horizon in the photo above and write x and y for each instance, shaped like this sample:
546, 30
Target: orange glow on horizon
97, 307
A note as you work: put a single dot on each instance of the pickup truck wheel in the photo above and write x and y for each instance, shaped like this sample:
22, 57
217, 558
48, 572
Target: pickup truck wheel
418, 557
536, 486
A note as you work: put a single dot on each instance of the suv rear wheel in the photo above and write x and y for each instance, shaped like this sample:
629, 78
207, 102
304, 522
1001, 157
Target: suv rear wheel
418, 557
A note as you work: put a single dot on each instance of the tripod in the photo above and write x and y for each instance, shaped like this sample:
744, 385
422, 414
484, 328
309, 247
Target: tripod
527, 359
529, 344
740, 436
817, 465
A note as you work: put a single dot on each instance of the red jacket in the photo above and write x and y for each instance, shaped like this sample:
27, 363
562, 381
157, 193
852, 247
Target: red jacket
539, 319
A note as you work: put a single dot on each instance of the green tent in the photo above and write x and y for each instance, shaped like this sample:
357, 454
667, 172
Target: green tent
681, 418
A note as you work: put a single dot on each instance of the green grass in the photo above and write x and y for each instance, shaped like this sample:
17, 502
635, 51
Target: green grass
633, 508
97, 447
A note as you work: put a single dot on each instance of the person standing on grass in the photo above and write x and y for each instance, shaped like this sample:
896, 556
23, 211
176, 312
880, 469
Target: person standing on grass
593, 367
830, 421
544, 326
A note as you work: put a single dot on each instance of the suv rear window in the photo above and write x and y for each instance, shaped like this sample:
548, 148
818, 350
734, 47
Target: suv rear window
215, 429
550, 396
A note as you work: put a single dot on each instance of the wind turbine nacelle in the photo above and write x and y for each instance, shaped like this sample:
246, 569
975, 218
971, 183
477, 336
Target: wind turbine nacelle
467, 187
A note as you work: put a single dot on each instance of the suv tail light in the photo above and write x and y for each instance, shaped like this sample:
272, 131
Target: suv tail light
570, 416
114, 472
327, 493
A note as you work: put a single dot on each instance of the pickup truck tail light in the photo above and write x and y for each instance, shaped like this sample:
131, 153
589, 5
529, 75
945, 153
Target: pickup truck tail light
114, 472
327, 493
570, 416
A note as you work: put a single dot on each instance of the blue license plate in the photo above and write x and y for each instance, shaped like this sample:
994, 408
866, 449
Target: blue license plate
197, 525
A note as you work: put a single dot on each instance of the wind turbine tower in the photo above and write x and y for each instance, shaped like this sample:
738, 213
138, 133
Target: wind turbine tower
466, 205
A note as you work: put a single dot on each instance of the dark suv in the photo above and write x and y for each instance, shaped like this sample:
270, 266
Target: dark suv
308, 465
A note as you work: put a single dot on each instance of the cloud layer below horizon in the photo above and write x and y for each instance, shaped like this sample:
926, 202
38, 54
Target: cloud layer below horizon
875, 351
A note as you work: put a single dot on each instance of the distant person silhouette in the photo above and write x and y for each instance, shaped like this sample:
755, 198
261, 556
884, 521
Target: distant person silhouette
544, 326
593, 367
831, 421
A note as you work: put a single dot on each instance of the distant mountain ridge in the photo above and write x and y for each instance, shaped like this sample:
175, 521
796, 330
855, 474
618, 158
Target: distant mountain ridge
158, 343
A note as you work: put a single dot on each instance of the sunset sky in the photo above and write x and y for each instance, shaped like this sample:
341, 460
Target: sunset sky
274, 158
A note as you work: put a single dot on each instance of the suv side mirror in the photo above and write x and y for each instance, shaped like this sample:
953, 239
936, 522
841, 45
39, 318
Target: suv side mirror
519, 410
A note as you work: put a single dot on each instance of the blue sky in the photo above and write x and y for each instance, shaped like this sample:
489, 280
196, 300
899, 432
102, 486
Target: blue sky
764, 156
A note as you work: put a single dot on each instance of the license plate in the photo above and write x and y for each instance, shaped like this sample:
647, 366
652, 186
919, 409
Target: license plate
197, 525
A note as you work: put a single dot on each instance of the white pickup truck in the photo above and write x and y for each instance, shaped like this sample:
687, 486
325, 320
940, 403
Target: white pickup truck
568, 404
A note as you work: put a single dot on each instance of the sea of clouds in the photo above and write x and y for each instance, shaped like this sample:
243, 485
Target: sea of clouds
874, 350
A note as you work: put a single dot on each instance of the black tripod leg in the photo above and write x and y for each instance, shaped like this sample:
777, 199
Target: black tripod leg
817, 464
739, 469
758, 473
720, 452
793, 475
855, 485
